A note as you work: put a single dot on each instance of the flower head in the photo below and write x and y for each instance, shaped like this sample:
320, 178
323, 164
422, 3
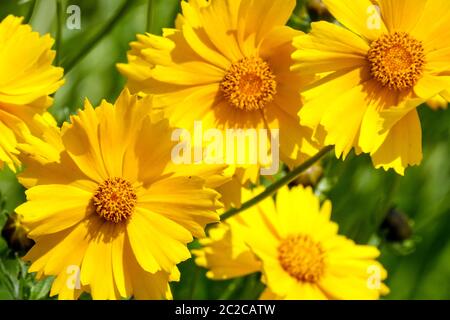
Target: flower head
224, 252
226, 64
390, 58
297, 248
27, 78
115, 207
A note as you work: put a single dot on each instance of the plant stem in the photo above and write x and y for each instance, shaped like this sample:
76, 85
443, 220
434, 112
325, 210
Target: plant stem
58, 36
150, 19
391, 189
194, 283
270, 190
94, 40
30, 11
235, 284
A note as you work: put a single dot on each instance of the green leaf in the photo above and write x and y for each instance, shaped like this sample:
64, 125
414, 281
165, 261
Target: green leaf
9, 276
41, 289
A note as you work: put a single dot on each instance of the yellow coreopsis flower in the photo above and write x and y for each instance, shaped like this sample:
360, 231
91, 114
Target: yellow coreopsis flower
391, 56
296, 247
224, 252
114, 215
27, 78
227, 64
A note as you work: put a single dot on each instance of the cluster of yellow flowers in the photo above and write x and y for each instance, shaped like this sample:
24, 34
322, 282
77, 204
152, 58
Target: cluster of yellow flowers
112, 215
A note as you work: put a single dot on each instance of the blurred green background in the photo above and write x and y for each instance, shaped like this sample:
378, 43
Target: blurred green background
414, 237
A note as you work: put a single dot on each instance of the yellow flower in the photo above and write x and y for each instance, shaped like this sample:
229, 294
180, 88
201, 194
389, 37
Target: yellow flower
227, 64
388, 60
296, 247
224, 252
27, 78
115, 207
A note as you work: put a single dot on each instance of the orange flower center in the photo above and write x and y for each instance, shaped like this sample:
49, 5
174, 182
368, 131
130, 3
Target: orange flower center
302, 258
115, 200
397, 60
249, 84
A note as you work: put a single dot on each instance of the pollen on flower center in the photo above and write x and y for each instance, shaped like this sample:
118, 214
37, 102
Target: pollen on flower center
115, 200
249, 84
302, 258
397, 60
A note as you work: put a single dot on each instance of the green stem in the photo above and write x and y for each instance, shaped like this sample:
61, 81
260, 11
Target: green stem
94, 40
58, 36
427, 222
232, 287
194, 283
270, 190
387, 202
30, 11
150, 18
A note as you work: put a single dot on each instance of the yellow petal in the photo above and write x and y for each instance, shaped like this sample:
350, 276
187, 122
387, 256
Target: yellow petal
219, 20
318, 96
429, 86
306, 291
80, 139
27, 74
401, 15
189, 73
225, 254
122, 278
157, 242
260, 17
268, 295
205, 51
145, 285
347, 288
359, 16
295, 141
66, 172
343, 134
432, 28
45, 212
437, 102
402, 146
329, 48
96, 269
184, 201
65, 262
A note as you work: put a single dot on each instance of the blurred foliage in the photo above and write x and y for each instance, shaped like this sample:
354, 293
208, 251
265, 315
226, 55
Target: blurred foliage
419, 266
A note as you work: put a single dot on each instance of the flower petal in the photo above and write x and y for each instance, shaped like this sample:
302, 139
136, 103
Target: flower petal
329, 48
401, 15
96, 269
52, 208
157, 242
402, 146
360, 16
184, 201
